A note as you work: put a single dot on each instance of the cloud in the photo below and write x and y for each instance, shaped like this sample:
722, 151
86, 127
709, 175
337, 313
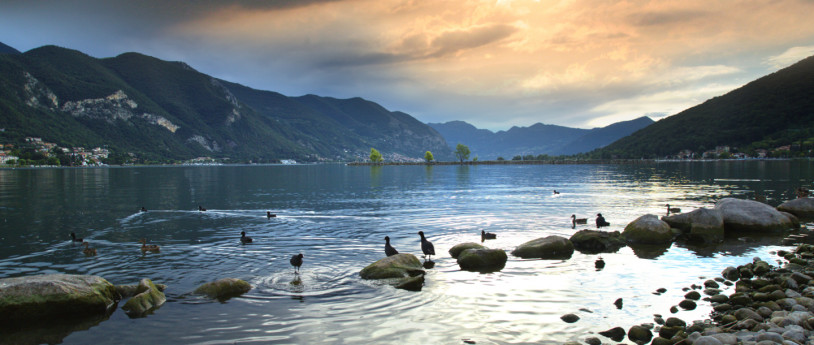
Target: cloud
790, 56
451, 42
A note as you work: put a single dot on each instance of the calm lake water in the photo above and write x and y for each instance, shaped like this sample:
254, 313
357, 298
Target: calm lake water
337, 216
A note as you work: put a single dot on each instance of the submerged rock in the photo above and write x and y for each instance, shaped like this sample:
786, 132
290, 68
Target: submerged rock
751, 216
800, 207
147, 299
482, 260
55, 295
701, 225
595, 241
648, 229
551, 247
458, 248
225, 288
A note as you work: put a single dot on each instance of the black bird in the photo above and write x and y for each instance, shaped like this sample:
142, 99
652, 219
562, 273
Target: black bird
270, 215
143, 209
388, 249
556, 192
600, 221
245, 239
74, 239
672, 209
575, 221
599, 264
296, 261
487, 235
201, 208
426, 246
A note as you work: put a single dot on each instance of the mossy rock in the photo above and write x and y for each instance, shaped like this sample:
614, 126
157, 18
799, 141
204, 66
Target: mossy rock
482, 260
551, 247
148, 298
55, 295
648, 229
225, 288
595, 241
397, 266
458, 248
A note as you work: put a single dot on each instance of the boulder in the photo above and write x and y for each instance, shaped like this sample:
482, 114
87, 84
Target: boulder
147, 299
616, 333
224, 289
55, 295
800, 207
751, 216
648, 229
595, 241
551, 247
482, 260
639, 335
410, 283
701, 225
458, 248
404, 271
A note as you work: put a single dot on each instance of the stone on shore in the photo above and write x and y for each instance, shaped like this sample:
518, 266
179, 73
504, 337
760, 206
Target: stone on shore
648, 229
147, 299
800, 207
224, 289
639, 334
403, 270
701, 225
595, 241
55, 295
751, 216
616, 333
458, 248
551, 247
482, 260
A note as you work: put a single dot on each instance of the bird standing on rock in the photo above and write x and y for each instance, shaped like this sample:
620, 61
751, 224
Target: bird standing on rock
388, 249
296, 261
426, 246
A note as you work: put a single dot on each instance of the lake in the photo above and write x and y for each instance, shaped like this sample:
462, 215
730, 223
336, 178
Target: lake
338, 215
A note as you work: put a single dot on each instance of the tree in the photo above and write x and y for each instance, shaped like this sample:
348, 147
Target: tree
375, 156
428, 157
462, 152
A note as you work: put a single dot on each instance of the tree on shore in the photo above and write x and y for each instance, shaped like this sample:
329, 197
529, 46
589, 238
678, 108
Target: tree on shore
462, 152
375, 156
428, 157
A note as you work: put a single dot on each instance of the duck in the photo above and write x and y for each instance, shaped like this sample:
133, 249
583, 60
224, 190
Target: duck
88, 250
600, 221
245, 239
556, 192
672, 209
201, 208
74, 238
143, 209
296, 261
388, 249
487, 235
426, 246
149, 247
575, 220
270, 215
599, 263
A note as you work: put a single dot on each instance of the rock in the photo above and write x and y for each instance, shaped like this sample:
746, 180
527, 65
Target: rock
751, 216
707, 340
675, 322
731, 273
482, 260
616, 333
595, 241
147, 299
701, 225
551, 247
693, 295
618, 303
224, 289
639, 334
569, 318
127, 291
726, 338
593, 341
55, 295
410, 283
669, 332
648, 229
397, 266
711, 284
800, 207
687, 304
661, 341
746, 313
458, 248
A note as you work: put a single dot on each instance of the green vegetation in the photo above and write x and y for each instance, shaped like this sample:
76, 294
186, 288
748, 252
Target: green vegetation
462, 152
375, 156
428, 157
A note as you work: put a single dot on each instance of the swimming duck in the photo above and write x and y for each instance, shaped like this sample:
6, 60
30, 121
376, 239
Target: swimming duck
143, 209
245, 239
149, 247
600, 221
74, 239
556, 192
487, 235
426, 246
388, 249
201, 208
672, 209
88, 250
296, 261
599, 264
575, 220
270, 215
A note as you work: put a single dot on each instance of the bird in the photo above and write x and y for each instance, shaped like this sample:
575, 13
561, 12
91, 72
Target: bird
388, 249
487, 235
74, 239
556, 192
149, 247
296, 261
245, 239
201, 208
575, 221
426, 246
599, 263
143, 209
270, 215
672, 209
88, 250
600, 221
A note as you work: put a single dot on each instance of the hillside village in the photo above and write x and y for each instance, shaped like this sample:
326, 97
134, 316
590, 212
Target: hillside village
36, 151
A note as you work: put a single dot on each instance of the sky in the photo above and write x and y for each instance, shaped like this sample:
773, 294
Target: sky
494, 64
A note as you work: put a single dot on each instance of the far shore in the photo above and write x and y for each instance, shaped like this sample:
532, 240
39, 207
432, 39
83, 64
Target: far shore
558, 161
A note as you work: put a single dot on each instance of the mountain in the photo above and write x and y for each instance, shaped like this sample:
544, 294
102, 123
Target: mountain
774, 110
4, 49
536, 139
162, 110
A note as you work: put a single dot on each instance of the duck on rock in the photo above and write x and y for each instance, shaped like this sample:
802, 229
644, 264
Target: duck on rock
388, 249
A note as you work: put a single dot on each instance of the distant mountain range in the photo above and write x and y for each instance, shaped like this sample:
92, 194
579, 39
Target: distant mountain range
166, 111
774, 110
536, 139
